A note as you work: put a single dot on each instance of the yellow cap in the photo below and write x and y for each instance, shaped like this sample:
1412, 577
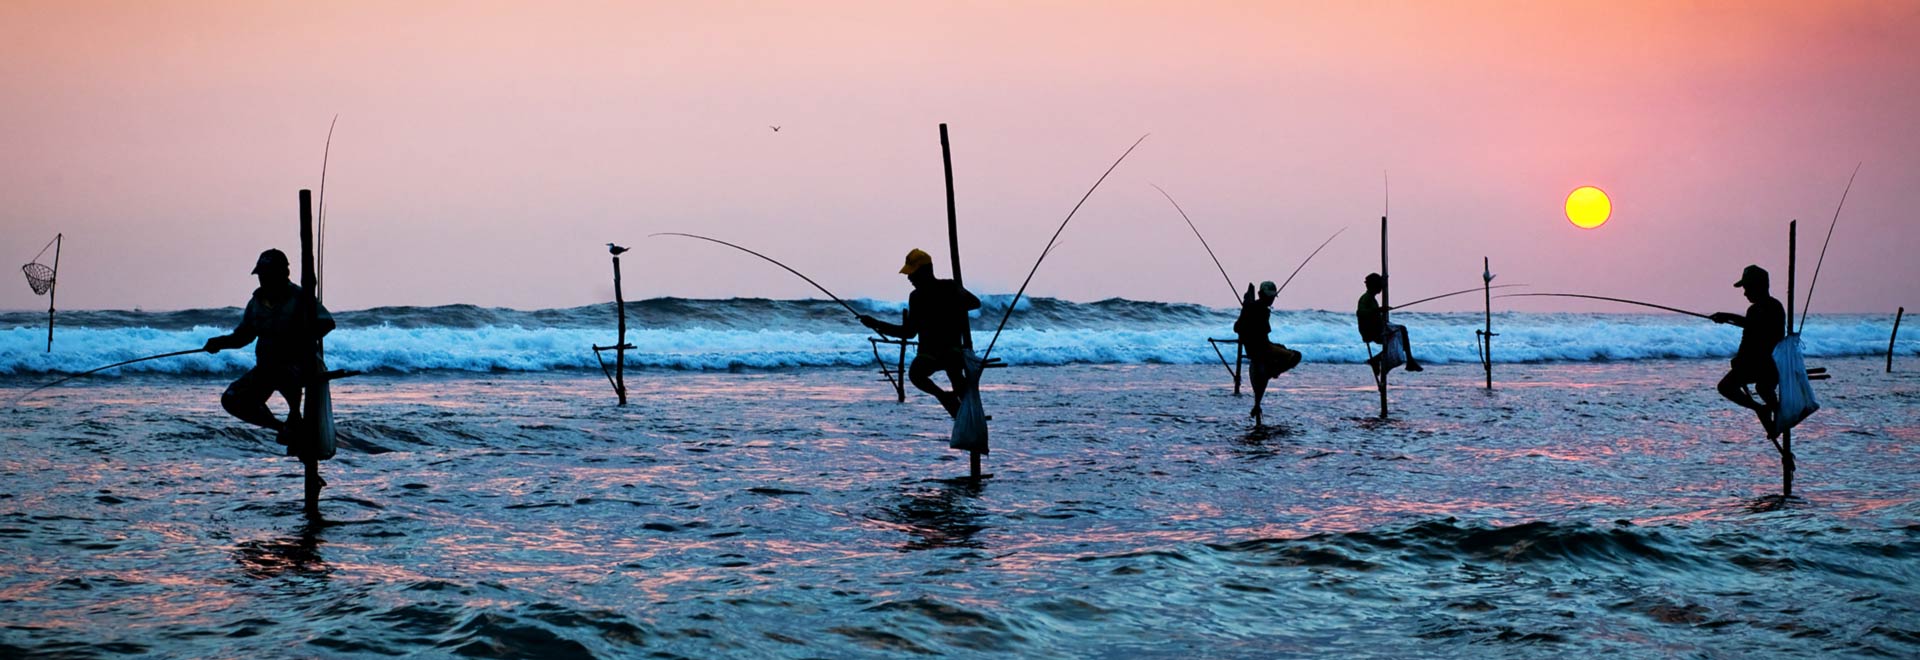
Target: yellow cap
916, 260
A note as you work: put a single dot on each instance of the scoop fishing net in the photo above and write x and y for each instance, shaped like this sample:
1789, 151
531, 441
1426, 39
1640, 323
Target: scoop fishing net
39, 277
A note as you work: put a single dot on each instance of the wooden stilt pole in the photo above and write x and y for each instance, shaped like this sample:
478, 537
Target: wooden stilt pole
953, 248
1786, 436
1239, 358
1894, 336
1386, 283
1486, 354
620, 348
53, 287
310, 312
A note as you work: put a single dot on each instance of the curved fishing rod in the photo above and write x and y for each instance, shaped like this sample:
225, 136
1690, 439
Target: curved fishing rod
16, 400
1304, 262
1450, 295
1823, 249
770, 260
320, 221
1043, 253
1203, 240
1618, 300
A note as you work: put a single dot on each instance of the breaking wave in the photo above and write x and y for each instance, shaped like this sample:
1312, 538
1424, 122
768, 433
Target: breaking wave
749, 333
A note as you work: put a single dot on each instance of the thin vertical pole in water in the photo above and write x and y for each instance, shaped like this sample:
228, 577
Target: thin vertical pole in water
53, 287
620, 348
1386, 283
1239, 358
1896, 335
1486, 281
1786, 437
309, 314
953, 248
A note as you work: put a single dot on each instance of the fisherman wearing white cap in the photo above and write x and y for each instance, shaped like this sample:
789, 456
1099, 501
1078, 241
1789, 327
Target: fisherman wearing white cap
937, 314
282, 353
1267, 358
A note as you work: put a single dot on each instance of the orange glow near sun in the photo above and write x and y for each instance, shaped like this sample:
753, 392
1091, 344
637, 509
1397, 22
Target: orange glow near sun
1588, 207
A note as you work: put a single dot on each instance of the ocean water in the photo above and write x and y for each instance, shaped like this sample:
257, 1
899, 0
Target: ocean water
478, 508
767, 495
673, 333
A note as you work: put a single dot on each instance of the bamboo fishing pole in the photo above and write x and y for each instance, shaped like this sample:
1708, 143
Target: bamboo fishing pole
1203, 241
768, 259
1043, 253
16, 400
1618, 300
1461, 292
1808, 308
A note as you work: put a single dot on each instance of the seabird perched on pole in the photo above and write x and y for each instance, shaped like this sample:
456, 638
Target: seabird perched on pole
615, 250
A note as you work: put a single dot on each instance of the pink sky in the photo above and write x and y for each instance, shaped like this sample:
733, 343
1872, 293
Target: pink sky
487, 151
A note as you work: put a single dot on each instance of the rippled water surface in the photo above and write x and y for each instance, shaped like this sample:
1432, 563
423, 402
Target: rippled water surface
1133, 511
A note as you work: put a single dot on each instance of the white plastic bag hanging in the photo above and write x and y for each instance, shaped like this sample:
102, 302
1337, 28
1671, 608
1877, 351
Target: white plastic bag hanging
970, 423
1796, 392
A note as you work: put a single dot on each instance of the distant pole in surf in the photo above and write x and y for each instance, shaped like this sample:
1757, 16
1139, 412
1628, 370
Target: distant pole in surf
1486, 336
1896, 335
620, 348
53, 287
1386, 283
309, 314
953, 248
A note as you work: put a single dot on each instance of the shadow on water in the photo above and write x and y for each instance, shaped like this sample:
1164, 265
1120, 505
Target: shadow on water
1772, 503
291, 556
936, 514
1260, 433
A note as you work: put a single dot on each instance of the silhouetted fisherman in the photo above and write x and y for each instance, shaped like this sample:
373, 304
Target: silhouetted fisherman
1374, 327
937, 314
284, 354
1761, 329
1267, 358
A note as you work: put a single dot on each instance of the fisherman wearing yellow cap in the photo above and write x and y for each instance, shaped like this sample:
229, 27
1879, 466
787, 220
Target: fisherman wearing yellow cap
1267, 358
937, 314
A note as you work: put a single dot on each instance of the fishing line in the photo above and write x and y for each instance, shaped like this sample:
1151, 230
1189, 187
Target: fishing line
1618, 300
1049, 248
1449, 295
770, 260
1823, 248
1203, 240
18, 399
1303, 263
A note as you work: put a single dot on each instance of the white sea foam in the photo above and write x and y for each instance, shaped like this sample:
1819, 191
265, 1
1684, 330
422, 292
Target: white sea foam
739, 334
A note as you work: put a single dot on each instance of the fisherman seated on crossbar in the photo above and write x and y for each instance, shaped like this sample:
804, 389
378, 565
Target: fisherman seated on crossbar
1375, 329
282, 357
1760, 330
1267, 358
937, 314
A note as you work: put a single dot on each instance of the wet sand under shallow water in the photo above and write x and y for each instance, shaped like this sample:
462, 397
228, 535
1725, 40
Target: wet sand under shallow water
1580, 508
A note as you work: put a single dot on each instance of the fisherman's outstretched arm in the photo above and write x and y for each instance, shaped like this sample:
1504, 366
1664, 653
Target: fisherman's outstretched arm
967, 300
888, 329
1730, 318
240, 337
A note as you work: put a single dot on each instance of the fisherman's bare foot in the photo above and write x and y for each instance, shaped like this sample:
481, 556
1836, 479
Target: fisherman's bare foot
1256, 413
1766, 422
1414, 365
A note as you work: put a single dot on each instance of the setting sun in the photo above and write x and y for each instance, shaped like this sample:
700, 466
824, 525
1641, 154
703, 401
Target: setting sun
1588, 207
